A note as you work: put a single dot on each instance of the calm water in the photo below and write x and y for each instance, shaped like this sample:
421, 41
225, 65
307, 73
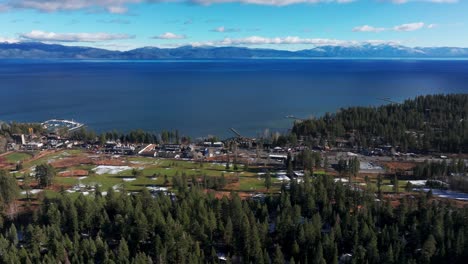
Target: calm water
209, 97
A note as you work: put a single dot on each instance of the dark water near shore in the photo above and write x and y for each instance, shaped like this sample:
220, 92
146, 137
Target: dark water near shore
209, 97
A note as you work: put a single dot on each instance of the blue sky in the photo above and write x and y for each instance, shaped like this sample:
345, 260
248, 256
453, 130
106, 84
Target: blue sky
282, 24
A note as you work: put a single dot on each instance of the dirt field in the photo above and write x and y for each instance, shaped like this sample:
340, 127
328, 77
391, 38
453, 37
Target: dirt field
221, 194
70, 162
73, 173
399, 165
4, 163
111, 162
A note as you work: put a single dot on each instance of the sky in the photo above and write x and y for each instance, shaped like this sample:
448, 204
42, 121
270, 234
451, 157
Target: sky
279, 24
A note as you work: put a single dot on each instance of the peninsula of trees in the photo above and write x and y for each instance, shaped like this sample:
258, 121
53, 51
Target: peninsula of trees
431, 123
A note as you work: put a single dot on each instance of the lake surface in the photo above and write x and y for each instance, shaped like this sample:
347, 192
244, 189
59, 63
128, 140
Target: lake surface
209, 97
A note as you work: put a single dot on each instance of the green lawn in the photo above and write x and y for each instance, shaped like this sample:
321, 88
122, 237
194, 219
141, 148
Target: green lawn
17, 156
386, 185
54, 156
154, 171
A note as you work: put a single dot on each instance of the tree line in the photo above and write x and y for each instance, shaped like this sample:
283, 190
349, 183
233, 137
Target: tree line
453, 172
426, 123
316, 221
133, 136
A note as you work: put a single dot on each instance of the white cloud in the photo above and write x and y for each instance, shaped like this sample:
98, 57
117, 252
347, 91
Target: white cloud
223, 29
115, 46
37, 35
402, 27
8, 40
117, 9
409, 26
429, 1
367, 28
121, 6
169, 35
112, 6
268, 2
289, 40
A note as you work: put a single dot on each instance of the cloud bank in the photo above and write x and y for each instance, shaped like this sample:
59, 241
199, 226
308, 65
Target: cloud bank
289, 40
367, 28
429, 1
8, 40
223, 29
409, 27
37, 35
169, 35
121, 6
402, 27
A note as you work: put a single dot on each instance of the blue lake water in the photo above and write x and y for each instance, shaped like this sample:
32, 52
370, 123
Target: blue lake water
204, 97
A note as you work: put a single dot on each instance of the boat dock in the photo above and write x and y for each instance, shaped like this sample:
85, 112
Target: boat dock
54, 124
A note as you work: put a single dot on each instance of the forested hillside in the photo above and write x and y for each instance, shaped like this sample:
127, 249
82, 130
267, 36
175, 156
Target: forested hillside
426, 123
318, 221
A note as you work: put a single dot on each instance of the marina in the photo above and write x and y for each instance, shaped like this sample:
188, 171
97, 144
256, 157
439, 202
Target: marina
55, 124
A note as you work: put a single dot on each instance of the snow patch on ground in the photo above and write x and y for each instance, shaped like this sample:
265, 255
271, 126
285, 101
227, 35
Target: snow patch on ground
101, 169
418, 182
33, 191
157, 189
128, 179
282, 177
448, 194
364, 165
340, 180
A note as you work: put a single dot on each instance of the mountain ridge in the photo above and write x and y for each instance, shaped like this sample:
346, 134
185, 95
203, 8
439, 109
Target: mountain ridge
38, 50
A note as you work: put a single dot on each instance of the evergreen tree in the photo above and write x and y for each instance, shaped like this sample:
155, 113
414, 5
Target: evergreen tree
9, 190
268, 181
396, 186
45, 174
123, 253
428, 249
278, 257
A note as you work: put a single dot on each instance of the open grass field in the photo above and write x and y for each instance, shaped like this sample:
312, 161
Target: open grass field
386, 184
79, 171
85, 170
17, 157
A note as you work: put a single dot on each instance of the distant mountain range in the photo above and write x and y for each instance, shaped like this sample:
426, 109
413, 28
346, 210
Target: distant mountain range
35, 50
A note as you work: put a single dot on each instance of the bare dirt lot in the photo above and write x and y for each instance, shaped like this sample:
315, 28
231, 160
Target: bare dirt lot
399, 165
71, 173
